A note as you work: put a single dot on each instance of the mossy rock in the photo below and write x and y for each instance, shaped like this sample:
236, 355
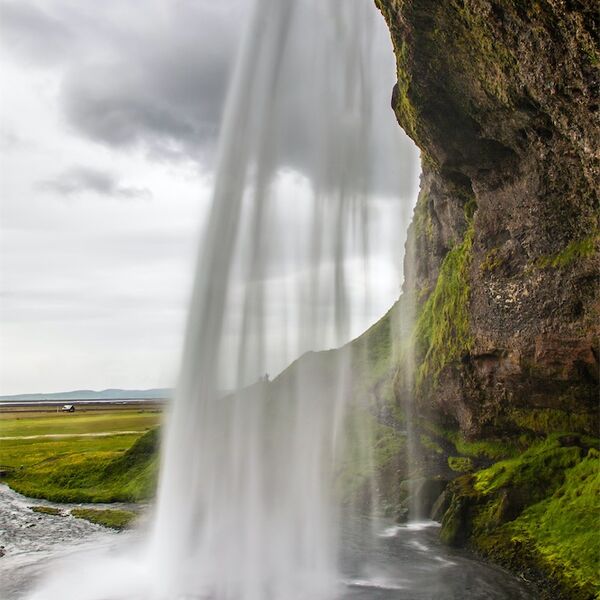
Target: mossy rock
110, 518
536, 512
461, 464
48, 510
456, 524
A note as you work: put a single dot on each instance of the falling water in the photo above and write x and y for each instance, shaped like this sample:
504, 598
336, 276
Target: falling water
246, 507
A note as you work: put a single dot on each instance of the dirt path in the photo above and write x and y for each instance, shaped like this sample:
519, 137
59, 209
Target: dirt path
69, 435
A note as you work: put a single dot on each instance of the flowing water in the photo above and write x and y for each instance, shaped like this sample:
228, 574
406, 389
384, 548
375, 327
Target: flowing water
247, 506
78, 560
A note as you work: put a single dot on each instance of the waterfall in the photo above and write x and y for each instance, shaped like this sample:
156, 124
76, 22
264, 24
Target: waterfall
247, 506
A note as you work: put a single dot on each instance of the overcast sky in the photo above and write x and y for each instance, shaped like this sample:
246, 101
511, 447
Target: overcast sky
109, 115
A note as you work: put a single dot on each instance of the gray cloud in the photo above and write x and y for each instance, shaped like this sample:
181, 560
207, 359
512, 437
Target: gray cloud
160, 83
155, 80
165, 94
9, 139
83, 179
33, 32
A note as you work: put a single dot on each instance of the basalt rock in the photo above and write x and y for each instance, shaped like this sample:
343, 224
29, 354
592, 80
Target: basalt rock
502, 265
501, 98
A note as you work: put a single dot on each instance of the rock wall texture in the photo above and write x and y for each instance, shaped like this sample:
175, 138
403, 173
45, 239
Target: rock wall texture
502, 282
503, 253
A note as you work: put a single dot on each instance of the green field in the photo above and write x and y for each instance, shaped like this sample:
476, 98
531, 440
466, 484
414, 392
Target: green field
85, 466
14, 424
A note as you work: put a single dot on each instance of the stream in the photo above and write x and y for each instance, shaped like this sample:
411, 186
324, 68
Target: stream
401, 562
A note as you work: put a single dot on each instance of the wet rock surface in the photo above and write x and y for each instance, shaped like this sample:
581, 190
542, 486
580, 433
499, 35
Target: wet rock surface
501, 98
503, 264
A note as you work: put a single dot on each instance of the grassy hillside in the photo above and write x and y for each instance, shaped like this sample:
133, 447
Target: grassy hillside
82, 468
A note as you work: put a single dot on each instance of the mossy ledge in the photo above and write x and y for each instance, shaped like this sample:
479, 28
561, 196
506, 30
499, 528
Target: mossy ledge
535, 513
109, 517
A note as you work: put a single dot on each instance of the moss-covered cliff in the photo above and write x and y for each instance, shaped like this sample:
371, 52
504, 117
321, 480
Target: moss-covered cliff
500, 97
503, 259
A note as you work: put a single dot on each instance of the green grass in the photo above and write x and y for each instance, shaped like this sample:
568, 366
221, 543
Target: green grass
82, 469
17, 454
128, 476
112, 518
48, 510
62, 423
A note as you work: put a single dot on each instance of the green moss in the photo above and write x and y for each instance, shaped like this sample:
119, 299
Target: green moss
469, 207
460, 464
491, 448
404, 107
537, 510
389, 459
406, 111
372, 352
474, 41
442, 332
551, 420
375, 358
356, 469
491, 262
494, 449
373, 455
564, 528
538, 471
47, 510
114, 519
456, 525
423, 223
430, 444
389, 444
571, 253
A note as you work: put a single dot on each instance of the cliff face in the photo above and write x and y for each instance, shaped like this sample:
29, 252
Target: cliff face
503, 252
502, 266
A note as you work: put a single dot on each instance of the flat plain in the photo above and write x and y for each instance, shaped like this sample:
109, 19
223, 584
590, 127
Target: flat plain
95, 454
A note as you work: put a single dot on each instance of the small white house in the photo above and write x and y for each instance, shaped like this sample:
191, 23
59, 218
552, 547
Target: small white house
68, 408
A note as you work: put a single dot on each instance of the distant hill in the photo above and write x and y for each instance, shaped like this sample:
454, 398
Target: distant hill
110, 394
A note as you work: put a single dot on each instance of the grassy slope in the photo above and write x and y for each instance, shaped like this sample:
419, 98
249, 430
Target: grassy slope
85, 469
536, 512
78, 423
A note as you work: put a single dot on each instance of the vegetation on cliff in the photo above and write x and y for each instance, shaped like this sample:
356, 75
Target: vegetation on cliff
442, 328
535, 513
